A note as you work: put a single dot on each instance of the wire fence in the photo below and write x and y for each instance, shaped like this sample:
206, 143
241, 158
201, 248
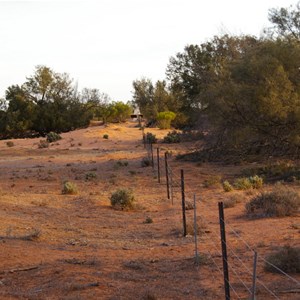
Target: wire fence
246, 278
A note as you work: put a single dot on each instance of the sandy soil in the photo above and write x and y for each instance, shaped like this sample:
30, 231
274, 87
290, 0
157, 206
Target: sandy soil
56, 246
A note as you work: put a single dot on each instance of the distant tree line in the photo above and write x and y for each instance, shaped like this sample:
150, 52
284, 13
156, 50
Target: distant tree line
49, 101
244, 90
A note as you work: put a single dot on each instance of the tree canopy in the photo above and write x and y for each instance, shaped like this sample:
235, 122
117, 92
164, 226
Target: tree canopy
246, 90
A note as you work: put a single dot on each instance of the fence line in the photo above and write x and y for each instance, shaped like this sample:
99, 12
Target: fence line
176, 183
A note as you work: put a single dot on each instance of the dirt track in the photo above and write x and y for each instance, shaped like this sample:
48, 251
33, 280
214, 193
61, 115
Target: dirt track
56, 246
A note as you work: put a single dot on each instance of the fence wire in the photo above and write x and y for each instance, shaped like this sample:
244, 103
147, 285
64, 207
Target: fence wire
238, 265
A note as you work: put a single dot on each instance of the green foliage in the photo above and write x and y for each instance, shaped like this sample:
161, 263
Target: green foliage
119, 112
280, 171
165, 118
10, 144
227, 186
278, 203
90, 176
256, 181
213, 180
286, 21
148, 220
122, 199
69, 188
53, 137
120, 163
172, 137
105, 136
286, 259
45, 102
152, 99
150, 138
242, 183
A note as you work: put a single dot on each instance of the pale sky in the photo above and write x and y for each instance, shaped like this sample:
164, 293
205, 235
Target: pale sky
106, 44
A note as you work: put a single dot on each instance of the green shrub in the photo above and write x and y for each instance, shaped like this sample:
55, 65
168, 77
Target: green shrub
227, 186
69, 188
43, 144
90, 176
165, 118
242, 183
256, 181
105, 136
150, 138
172, 137
52, 137
278, 203
280, 171
122, 199
213, 180
10, 144
286, 259
120, 163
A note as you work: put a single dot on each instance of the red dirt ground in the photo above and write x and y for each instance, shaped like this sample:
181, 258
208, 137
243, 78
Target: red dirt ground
56, 246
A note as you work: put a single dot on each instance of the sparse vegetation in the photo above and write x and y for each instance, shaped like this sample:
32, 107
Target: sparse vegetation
10, 144
246, 183
150, 138
52, 137
148, 220
280, 171
286, 259
230, 202
172, 137
69, 188
105, 136
146, 162
165, 118
121, 163
213, 180
90, 176
122, 199
43, 144
242, 183
227, 187
280, 202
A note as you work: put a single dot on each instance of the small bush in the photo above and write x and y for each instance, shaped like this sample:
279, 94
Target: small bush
43, 144
10, 144
105, 136
242, 183
146, 162
286, 259
172, 137
120, 163
165, 118
52, 137
148, 220
150, 138
227, 187
90, 176
278, 203
69, 188
231, 202
280, 171
122, 199
214, 180
256, 181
